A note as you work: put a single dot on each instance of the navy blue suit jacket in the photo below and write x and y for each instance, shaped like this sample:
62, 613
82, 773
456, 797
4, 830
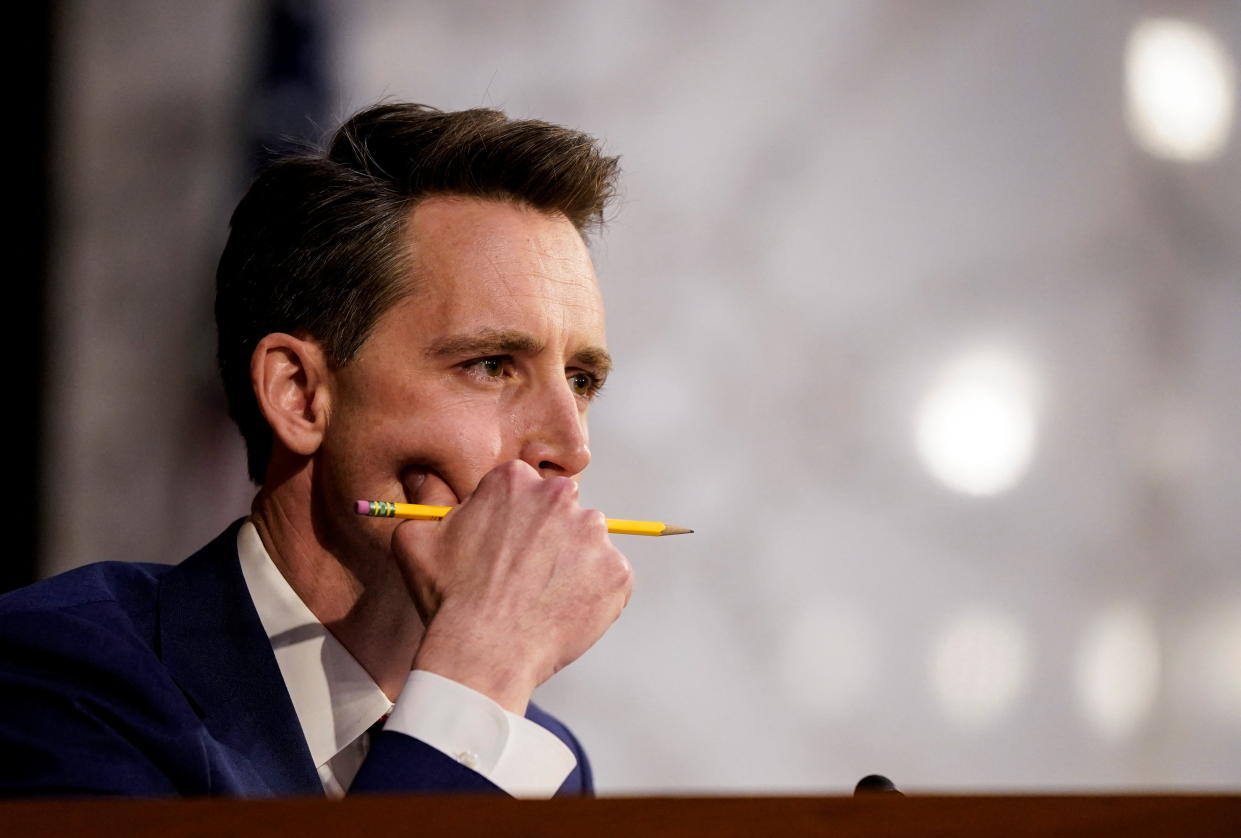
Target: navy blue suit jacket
154, 680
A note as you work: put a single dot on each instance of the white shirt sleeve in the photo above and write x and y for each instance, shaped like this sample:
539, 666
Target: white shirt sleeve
519, 756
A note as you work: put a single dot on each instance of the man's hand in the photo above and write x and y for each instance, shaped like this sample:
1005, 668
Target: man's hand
515, 584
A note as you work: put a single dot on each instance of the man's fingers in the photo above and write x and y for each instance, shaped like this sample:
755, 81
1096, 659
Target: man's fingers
519, 564
412, 544
413, 547
507, 475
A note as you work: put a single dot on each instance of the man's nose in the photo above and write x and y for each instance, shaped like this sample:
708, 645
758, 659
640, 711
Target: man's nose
555, 439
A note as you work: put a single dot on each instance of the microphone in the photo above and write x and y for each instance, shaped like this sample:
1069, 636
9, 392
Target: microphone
875, 784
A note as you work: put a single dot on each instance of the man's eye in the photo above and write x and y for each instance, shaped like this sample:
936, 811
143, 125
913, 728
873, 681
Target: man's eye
584, 384
488, 367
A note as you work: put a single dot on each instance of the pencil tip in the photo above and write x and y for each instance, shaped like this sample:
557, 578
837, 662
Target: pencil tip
671, 530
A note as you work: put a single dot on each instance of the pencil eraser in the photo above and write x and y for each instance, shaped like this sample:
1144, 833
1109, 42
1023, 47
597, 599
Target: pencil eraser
364, 507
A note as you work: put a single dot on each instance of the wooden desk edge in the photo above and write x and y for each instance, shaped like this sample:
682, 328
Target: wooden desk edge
377, 816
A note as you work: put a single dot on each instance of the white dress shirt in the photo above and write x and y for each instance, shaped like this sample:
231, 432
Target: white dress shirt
336, 700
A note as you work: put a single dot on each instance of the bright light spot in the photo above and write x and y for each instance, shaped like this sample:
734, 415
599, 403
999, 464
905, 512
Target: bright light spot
1180, 82
1218, 659
976, 428
1226, 666
827, 662
1118, 672
978, 666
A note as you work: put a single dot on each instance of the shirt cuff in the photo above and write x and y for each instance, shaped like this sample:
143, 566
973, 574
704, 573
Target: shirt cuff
521, 757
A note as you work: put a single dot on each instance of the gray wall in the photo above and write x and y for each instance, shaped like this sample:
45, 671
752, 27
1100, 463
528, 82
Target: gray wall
825, 205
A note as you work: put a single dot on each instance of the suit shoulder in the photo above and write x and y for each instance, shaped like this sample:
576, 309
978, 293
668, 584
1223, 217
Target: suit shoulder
119, 582
86, 642
86, 704
95, 604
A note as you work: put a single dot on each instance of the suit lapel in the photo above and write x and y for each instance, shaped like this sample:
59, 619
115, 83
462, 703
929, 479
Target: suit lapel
214, 646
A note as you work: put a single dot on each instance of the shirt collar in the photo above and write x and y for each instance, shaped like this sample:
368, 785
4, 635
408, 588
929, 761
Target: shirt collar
334, 697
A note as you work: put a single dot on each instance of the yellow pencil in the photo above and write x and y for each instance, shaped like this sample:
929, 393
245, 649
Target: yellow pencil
419, 512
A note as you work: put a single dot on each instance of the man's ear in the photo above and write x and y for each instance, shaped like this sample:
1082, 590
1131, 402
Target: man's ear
290, 380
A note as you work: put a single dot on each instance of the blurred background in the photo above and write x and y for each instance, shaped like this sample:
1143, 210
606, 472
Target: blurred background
927, 319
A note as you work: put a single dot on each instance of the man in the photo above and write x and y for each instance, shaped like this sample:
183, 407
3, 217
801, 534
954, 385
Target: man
411, 316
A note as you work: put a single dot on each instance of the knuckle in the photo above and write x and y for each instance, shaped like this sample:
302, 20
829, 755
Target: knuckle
620, 571
627, 584
510, 469
491, 478
561, 488
503, 477
625, 572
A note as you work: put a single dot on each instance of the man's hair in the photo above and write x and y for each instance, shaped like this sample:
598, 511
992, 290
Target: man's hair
317, 246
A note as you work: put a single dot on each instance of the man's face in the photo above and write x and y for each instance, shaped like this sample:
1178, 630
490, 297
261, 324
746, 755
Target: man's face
495, 356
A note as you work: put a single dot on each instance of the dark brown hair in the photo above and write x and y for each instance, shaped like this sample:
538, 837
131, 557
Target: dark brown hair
317, 244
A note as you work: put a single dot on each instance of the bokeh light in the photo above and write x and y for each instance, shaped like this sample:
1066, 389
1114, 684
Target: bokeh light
976, 427
1118, 670
979, 665
1225, 681
1214, 659
1180, 85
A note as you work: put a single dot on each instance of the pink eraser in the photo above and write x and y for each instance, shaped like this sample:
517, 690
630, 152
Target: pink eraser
364, 507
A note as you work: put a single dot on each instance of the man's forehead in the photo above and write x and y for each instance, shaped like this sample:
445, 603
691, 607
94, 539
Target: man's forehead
445, 223
486, 265
446, 231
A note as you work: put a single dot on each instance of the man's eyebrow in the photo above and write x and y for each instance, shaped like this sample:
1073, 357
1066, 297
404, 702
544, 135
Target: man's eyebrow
596, 358
485, 342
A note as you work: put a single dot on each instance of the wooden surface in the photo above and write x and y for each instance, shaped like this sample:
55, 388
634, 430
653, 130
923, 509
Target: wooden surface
1130, 816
